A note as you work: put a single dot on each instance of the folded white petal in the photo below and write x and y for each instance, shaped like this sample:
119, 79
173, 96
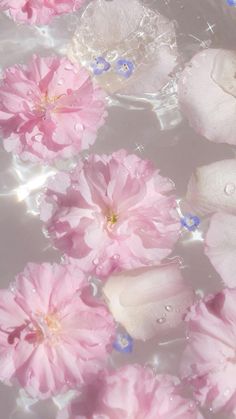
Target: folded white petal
148, 301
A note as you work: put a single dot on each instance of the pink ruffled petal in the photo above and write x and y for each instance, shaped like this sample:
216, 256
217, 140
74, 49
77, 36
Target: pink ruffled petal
132, 392
220, 246
211, 324
148, 301
39, 11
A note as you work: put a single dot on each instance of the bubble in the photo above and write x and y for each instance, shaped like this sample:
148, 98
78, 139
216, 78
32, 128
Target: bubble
12, 288
227, 392
78, 127
38, 137
168, 308
161, 320
68, 67
230, 189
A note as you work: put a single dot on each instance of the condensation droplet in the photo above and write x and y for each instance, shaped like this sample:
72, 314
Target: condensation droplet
78, 127
227, 392
60, 82
230, 189
68, 66
191, 406
12, 288
38, 137
96, 261
116, 256
168, 308
161, 320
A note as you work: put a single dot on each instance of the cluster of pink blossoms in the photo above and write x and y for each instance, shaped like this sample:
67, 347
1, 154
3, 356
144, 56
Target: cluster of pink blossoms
39, 11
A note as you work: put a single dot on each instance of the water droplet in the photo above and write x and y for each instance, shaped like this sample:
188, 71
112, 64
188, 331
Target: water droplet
161, 320
60, 82
116, 256
38, 137
168, 308
12, 288
230, 188
191, 406
33, 290
96, 261
227, 392
78, 127
68, 66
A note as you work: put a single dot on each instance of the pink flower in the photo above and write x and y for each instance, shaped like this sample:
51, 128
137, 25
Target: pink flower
220, 246
39, 11
213, 114
49, 109
212, 188
209, 361
127, 30
49, 322
113, 212
132, 392
148, 301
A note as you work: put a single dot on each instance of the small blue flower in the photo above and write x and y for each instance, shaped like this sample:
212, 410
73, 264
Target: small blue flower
100, 65
191, 222
123, 343
124, 67
231, 2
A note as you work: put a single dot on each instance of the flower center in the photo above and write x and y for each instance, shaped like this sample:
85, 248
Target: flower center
112, 218
48, 103
43, 327
49, 325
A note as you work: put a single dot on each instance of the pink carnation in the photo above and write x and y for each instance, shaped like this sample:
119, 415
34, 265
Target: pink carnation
39, 11
113, 212
49, 109
49, 322
220, 246
209, 361
212, 114
132, 392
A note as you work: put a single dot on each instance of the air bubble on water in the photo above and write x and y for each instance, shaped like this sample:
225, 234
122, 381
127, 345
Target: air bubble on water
161, 320
230, 189
227, 392
78, 127
38, 137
